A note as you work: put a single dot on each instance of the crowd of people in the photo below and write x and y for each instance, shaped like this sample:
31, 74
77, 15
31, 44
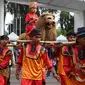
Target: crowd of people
66, 63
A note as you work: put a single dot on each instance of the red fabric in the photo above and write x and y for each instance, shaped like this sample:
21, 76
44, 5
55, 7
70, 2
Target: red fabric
47, 62
63, 80
6, 59
43, 76
69, 67
19, 61
29, 28
76, 53
66, 61
68, 64
3, 80
31, 82
30, 16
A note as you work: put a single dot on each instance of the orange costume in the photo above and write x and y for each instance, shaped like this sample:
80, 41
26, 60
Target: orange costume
5, 56
31, 16
32, 64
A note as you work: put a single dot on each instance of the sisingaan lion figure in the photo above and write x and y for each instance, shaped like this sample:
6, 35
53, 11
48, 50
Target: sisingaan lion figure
46, 23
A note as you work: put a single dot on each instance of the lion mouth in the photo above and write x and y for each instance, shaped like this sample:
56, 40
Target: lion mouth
50, 25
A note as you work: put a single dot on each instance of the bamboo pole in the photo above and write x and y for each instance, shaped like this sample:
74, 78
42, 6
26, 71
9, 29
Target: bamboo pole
44, 42
49, 42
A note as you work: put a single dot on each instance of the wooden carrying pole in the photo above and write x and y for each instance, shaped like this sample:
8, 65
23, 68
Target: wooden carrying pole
49, 42
45, 42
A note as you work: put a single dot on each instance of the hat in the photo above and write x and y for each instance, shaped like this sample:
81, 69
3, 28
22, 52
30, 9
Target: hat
71, 33
81, 32
35, 32
33, 4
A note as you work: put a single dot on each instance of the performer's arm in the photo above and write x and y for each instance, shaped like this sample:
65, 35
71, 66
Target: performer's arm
19, 64
66, 64
6, 60
19, 61
47, 61
27, 19
66, 60
30, 20
49, 65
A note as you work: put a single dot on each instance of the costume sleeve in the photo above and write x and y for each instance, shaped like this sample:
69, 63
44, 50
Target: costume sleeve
19, 61
47, 62
27, 19
6, 60
66, 60
66, 64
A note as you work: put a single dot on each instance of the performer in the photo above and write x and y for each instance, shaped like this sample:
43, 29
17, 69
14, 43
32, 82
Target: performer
79, 52
65, 67
5, 57
31, 17
31, 60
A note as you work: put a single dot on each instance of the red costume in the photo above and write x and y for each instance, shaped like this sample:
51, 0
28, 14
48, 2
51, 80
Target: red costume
5, 56
31, 16
72, 61
69, 74
32, 64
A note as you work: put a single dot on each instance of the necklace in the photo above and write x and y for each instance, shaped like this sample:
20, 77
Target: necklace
33, 52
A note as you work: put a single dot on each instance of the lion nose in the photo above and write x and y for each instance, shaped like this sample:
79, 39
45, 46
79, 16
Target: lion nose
53, 22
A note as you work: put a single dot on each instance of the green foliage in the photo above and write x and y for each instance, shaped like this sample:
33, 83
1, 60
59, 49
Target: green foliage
46, 10
66, 21
59, 31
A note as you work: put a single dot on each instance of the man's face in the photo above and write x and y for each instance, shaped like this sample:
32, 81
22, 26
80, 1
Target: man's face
71, 38
81, 41
4, 42
36, 39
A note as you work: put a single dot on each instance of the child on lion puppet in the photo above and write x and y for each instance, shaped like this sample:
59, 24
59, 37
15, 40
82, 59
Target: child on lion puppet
31, 17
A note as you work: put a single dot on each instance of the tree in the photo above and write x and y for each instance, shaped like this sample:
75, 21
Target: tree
66, 21
59, 31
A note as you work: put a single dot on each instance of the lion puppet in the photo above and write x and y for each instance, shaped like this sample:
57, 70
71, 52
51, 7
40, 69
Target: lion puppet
46, 23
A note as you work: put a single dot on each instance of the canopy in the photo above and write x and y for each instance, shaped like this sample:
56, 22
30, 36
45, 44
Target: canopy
69, 5
61, 38
13, 36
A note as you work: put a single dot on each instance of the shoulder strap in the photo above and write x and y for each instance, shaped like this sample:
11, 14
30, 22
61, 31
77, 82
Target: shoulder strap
74, 57
67, 52
43, 50
7, 52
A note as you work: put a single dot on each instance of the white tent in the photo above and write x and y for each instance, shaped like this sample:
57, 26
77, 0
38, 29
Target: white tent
13, 36
61, 38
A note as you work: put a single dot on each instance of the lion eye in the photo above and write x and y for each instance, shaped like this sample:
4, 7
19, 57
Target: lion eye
49, 18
